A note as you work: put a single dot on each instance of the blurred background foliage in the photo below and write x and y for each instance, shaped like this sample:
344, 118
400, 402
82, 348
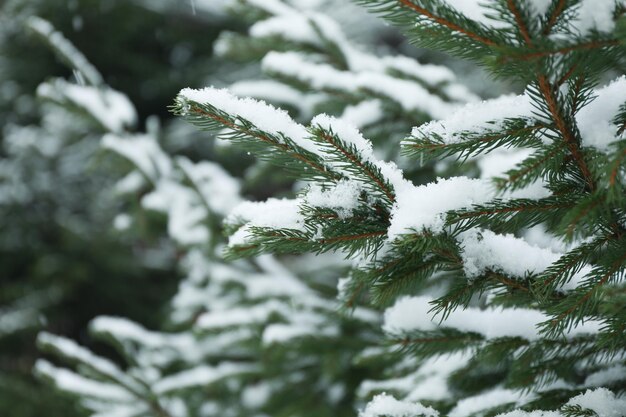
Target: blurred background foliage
61, 261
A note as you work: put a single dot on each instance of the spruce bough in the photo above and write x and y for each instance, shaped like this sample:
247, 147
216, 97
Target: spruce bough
524, 265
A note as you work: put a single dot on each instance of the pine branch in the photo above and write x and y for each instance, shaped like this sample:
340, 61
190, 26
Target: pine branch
509, 216
513, 133
568, 136
562, 271
242, 129
536, 166
557, 11
447, 23
574, 309
355, 162
521, 24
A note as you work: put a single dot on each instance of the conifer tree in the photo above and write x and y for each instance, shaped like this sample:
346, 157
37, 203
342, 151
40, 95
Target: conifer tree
516, 277
503, 287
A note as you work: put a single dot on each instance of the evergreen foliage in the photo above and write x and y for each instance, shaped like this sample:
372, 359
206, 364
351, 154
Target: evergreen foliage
502, 282
62, 260
542, 324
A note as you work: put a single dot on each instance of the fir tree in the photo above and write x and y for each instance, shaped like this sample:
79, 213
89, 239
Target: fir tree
524, 266
503, 288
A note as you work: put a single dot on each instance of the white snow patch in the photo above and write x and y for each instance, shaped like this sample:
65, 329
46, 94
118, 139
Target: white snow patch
218, 189
343, 197
476, 118
143, 151
411, 314
264, 116
425, 206
485, 250
595, 15
387, 406
364, 113
595, 120
77, 384
273, 213
200, 376
602, 401
499, 396
112, 109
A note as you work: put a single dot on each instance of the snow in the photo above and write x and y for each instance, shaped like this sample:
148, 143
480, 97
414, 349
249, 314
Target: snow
125, 330
256, 396
263, 286
408, 314
273, 213
131, 183
387, 406
475, 10
71, 382
66, 49
349, 134
342, 197
591, 14
185, 214
540, 7
602, 401
69, 349
470, 406
219, 190
608, 376
370, 71
346, 132
432, 75
428, 383
281, 333
499, 161
264, 116
276, 92
122, 221
540, 237
434, 373
200, 376
485, 250
112, 109
143, 151
299, 66
595, 120
408, 94
425, 206
411, 314
274, 7
364, 113
475, 118
295, 27
538, 413
595, 15
241, 316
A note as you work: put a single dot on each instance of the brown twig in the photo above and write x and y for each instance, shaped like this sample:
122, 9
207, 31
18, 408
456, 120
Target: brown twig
520, 22
450, 25
561, 125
